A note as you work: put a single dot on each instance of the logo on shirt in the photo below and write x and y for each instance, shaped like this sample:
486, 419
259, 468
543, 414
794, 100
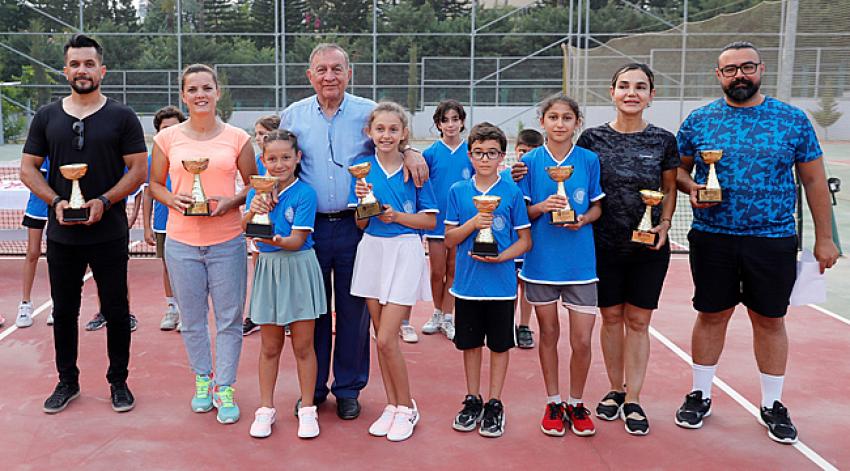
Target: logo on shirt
408, 206
579, 195
465, 173
498, 223
289, 214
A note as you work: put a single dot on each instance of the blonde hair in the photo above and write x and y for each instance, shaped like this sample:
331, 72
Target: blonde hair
390, 107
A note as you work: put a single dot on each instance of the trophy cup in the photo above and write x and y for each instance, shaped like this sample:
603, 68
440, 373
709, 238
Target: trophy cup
711, 193
368, 206
260, 225
566, 215
484, 244
200, 205
642, 235
75, 211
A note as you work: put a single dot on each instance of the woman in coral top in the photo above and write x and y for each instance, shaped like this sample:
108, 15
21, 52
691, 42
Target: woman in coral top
207, 254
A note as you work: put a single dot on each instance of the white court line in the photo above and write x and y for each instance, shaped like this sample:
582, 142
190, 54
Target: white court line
829, 313
812, 455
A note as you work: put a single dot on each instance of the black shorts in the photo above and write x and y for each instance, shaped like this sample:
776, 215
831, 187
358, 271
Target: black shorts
728, 269
33, 223
477, 320
634, 276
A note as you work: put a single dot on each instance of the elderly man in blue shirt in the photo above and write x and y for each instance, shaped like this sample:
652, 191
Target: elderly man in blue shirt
330, 130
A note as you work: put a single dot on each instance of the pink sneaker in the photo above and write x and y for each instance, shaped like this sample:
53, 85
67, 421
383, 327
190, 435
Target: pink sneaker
308, 422
381, 427
404, 421
263, 420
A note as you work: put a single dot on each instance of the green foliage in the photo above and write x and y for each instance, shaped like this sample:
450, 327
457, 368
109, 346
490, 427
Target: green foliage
225, 103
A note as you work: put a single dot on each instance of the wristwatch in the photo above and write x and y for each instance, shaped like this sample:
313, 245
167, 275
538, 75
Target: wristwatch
410, 147
55, 201
106, 203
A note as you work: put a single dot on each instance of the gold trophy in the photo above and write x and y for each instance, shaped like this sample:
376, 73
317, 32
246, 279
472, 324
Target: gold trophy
642, 235
260, 225
711, 193
75, 210
368, 205
484, 244
560, 175
200, 205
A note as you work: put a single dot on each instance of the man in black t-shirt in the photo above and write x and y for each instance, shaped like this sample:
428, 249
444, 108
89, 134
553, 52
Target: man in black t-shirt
86, 127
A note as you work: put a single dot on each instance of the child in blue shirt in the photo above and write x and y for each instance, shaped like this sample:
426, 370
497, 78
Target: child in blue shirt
485, 289
448, 163
562, 262
288, 289
389, 268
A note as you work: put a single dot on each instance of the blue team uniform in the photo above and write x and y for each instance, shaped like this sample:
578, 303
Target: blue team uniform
445, 168
295, 210
36, 207
476, 280
561, 256
261, 169
160, 211
390, 189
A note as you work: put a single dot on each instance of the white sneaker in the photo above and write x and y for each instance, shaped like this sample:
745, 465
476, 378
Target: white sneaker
448, 328
408, 333
381, 427
170, 319
24, 318
433, 324
308, 422
403, 422
263, 420
50, 319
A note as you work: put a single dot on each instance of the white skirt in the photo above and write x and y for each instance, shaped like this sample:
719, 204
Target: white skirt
391, 270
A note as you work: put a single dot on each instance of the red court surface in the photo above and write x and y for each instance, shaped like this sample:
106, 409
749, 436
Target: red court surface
163, 434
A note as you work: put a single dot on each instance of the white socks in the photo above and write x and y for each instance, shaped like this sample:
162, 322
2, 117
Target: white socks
702, 376
573, 401
447, 316
771, 389
556, 399
171, 301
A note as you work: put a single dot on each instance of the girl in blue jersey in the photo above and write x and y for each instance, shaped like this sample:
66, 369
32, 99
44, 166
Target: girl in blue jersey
288, 289
447, 164
35, 218
561, 263
390, 269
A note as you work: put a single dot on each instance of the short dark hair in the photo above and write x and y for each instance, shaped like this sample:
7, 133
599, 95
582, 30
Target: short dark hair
80, 40
194, 69
634, 66
167, 112
443, 107
530, 137
487, 131
740, 45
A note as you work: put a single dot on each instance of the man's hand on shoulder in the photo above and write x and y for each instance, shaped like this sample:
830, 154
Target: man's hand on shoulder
415, 166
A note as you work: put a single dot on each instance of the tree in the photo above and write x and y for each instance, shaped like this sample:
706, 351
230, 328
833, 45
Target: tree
225, 103
828, 113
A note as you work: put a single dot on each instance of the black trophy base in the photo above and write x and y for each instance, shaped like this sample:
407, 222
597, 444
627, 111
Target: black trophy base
710, 195
260, 231
75, 215
367, 210
564, 216
485, 249
198, 209
648, 239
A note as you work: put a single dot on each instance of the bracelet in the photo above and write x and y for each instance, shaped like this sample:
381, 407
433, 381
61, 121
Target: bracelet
106, 203
55, 201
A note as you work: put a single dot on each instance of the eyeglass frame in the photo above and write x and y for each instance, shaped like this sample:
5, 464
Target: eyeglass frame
720, 70
490, 154
78, 141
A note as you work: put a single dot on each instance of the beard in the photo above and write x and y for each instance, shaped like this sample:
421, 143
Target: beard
742, 89
83, 90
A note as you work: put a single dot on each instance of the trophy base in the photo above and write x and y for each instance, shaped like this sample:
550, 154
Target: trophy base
485, 249
261, 231
712, 195
564, 216
644, 238
367, 210
198, 209
75, 215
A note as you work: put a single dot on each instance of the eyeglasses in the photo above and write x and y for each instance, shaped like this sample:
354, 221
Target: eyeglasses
77, 142
488, 155
747, 68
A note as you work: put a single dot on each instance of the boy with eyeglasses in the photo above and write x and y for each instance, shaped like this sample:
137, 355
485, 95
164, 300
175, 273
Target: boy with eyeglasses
485, 287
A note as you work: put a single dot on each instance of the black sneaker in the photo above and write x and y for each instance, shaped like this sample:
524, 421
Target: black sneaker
248, 327
609, 407
635, 419
134, 323
524, 337
468, 418
778, 423
693, 410
122, 398
493, 420
96, 323
62, 395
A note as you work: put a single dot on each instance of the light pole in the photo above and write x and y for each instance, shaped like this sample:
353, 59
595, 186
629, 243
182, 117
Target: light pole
2, 130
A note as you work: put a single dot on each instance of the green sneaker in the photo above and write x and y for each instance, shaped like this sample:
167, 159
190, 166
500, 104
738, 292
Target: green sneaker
228, 411
202, 400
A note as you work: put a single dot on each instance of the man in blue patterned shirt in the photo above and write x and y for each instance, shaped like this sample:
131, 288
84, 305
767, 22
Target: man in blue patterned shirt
744, 249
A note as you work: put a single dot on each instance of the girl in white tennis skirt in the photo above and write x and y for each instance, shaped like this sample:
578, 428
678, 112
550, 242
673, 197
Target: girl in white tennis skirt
390, 269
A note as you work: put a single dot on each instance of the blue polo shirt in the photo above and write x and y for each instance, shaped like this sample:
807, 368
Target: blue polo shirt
390, 189
295, 209
445, 168
481, 280
261, 169
761, 145
329, 145
561, 256
160, 211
